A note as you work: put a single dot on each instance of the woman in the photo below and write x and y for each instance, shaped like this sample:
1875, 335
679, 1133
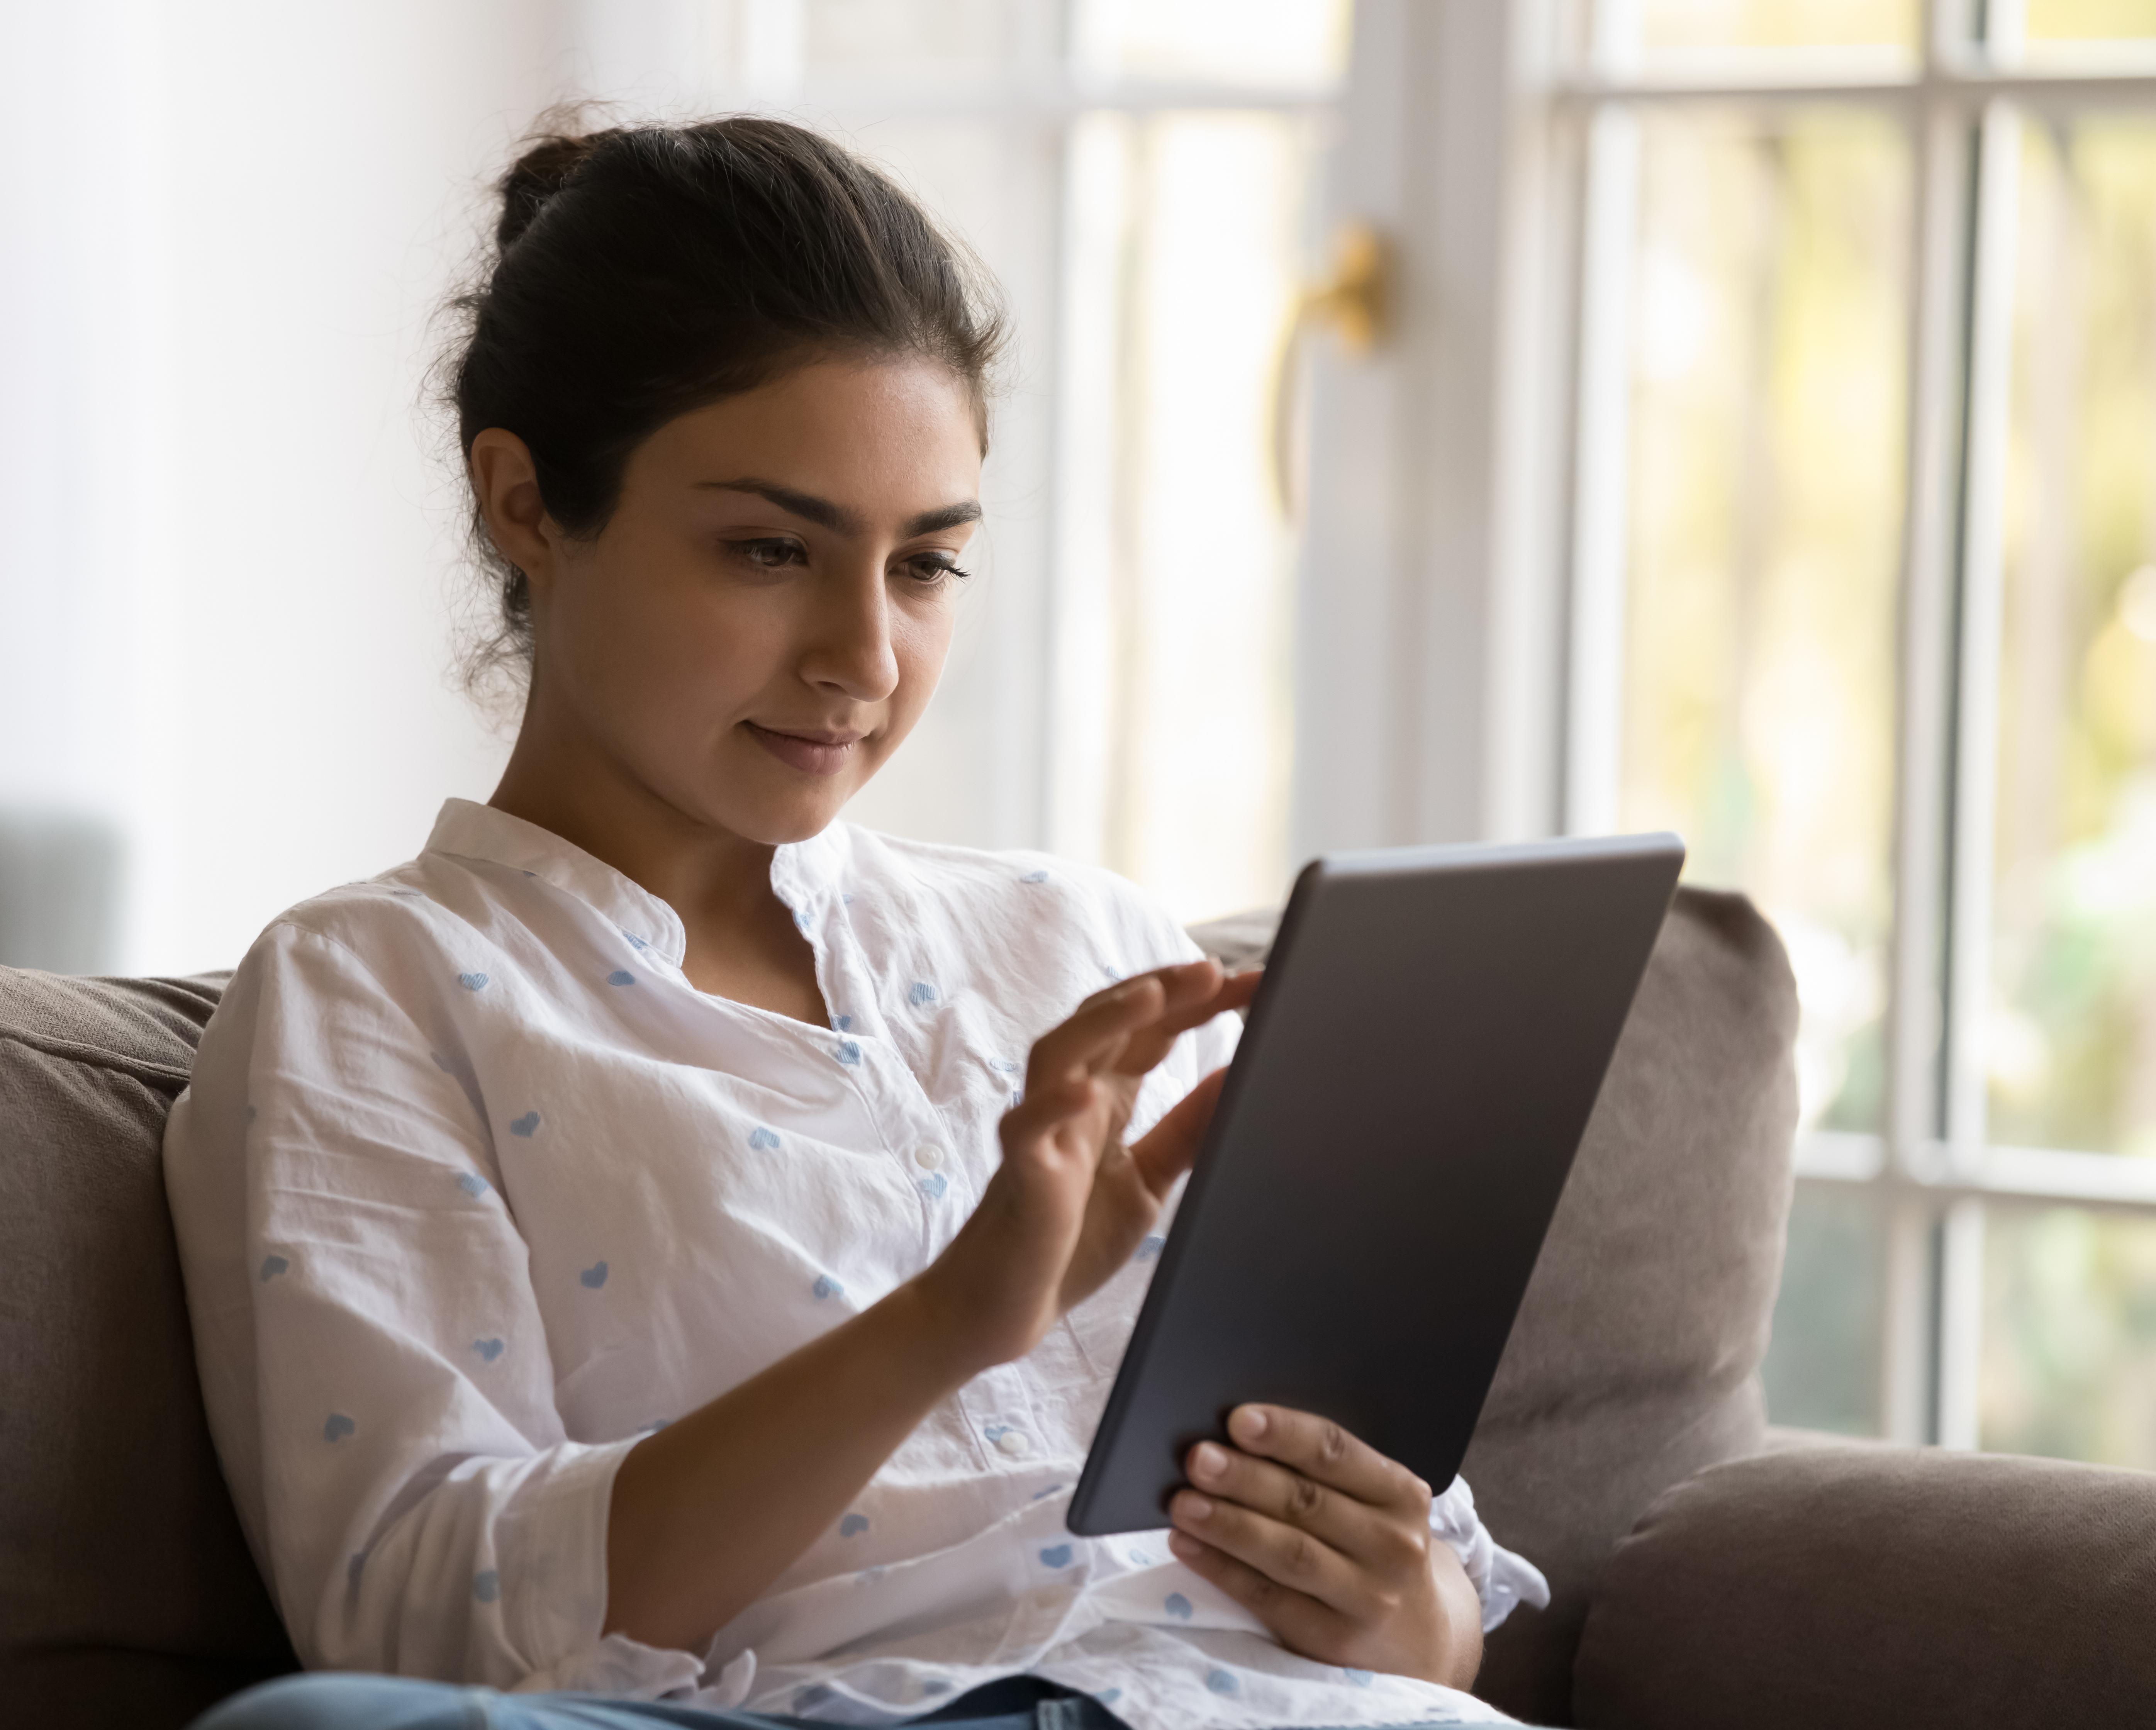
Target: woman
665, 1241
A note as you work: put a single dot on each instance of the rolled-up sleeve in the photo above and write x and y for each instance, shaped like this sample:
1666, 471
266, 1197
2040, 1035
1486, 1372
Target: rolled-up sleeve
1502, 1580
373, 1358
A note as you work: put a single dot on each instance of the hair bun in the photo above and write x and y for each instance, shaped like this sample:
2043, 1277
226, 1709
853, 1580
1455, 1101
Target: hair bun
543, 170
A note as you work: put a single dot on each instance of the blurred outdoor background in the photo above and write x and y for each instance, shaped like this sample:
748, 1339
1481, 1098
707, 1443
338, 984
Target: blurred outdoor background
1759, 441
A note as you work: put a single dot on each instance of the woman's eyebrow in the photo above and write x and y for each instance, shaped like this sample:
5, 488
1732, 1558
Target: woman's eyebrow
826, 514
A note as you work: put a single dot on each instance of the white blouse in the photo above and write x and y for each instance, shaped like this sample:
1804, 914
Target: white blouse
474, 1190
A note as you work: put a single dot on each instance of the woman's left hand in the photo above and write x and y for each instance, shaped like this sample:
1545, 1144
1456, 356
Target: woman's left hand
1327, 1542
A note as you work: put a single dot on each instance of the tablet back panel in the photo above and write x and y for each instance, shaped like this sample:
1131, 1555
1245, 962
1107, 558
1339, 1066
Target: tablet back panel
1419, 1069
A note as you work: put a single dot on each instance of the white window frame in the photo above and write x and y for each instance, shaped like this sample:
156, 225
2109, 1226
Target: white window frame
1462, 596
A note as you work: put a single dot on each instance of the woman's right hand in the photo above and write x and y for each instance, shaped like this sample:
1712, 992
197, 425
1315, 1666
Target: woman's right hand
1070, 1203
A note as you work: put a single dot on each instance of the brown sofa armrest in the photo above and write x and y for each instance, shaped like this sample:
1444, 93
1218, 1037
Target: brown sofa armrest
1868, 1585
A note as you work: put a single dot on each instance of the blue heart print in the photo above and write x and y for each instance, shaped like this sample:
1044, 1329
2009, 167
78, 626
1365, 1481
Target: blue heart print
1361, 1678
488, 1349
848, 1052
486, 1585
1055, 1556
471, 1183
920, 991
1220, 1682
853, 1523
338, 1427
621, 977
1049, 1491
826, 1287
1004, 1066
1109, 1697
527, 1126
933, 1187
993, 1430
1177, 1605
762, 1139
634, 941
472, 982
273, 1265
842, 1023
1034, 877
801, 918
594, 1276
1148, 1247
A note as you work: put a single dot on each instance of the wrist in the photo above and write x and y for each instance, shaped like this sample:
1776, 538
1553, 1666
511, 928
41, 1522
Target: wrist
943, 1331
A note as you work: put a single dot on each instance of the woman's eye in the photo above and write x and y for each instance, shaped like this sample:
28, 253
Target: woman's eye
930, 569
772, 555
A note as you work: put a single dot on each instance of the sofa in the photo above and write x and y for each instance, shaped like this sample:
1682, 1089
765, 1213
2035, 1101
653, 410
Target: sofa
1705, 1570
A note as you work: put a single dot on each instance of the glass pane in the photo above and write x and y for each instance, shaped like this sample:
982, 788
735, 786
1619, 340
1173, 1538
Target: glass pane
1822, 1368
1778, 24
1187, 244
2070, 1046
1769, 317
1260, 41
2084, 21
2070, 1336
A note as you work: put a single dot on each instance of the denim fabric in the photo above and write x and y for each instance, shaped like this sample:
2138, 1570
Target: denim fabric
333, 1701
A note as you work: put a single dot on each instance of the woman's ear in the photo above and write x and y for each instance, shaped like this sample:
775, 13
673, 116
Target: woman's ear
506, 484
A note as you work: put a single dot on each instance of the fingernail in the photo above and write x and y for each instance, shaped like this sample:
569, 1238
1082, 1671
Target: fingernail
1207, 1462
1183, 1544
1193, 1507
1249, 1422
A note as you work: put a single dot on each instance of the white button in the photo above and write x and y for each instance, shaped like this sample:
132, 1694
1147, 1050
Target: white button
928, 1156
1015, 1443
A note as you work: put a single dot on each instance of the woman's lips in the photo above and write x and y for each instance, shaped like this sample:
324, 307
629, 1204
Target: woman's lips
811, 753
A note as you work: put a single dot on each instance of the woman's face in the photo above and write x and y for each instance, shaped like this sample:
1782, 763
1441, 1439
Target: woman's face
766, 615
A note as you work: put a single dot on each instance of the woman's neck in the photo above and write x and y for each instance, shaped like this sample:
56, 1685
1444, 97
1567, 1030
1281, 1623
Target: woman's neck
740, 940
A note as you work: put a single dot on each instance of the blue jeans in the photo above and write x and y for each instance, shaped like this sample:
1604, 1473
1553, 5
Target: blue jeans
330, 1700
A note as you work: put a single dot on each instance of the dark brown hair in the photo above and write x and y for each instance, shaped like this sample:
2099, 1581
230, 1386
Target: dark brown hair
640, 272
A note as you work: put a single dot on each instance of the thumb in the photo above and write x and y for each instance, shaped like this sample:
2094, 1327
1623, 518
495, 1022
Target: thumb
1166, 1150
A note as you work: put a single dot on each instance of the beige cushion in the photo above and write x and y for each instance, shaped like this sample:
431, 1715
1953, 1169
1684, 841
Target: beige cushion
1634, 1361
127, 1596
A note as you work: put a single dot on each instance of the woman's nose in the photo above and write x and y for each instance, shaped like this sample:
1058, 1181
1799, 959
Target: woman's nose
850, 647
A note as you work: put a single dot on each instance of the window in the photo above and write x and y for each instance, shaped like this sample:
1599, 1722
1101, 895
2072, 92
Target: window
1863, 595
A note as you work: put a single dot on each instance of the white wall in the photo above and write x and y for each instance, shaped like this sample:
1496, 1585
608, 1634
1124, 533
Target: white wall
224, 592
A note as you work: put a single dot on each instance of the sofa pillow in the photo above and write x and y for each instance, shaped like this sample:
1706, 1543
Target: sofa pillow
127, 1595
1635, 1359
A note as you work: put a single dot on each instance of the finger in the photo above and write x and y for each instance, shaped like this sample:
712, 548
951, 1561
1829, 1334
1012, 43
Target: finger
1320, 1449
1301, 1623
1168, 1149
1095, 1032
1197, 992
1393, 1543
1284, 1555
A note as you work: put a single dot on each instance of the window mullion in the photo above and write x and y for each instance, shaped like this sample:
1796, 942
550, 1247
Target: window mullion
1923, 748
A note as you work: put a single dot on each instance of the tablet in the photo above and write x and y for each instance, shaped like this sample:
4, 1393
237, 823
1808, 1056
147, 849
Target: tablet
1358, 1230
